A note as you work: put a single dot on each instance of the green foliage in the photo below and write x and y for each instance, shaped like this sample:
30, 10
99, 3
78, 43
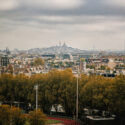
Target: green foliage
102, 67
37, 117
51, 121
90, 66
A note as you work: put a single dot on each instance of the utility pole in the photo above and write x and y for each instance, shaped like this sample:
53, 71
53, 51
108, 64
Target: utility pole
36, 88
77, 89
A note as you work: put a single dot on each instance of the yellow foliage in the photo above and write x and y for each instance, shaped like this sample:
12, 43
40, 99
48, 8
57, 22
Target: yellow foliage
38, 61
37, 117
11, 116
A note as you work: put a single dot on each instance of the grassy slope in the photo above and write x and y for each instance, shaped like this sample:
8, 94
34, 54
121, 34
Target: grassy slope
48, 122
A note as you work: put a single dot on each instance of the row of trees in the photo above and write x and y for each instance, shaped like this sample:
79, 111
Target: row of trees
59, 87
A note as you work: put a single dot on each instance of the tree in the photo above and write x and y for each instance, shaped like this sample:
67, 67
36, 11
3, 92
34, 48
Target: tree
96, 92
83, 80
68, 91
117, 100
106, 94
37, 117
14, 88
38, 61
11, 116
42, 81
59, 87
102, 67
4, 115
21, 87
16, 116
7, 88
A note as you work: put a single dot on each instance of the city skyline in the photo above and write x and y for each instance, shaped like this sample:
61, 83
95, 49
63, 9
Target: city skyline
61, 44
81, 24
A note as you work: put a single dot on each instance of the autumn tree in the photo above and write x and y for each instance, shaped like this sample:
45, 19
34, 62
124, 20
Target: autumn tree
7, 88
106, 94
117, 100
38, 62
21, 87
41, 81
68, 91
4, 115
37, 117
59, 87
96, 93
11, 116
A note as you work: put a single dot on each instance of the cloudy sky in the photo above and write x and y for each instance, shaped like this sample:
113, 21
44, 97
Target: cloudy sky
84, 24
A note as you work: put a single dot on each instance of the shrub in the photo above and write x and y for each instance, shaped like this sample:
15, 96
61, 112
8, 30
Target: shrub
11, 116
4, 115
17, 118
37, 117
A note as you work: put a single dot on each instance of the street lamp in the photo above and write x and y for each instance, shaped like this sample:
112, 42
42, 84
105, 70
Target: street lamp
77, 101
36, 88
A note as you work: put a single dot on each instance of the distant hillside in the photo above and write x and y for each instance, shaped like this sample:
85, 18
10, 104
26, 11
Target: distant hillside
55, 49
61, 49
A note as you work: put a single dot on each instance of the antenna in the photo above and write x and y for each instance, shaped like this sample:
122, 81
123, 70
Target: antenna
124, 48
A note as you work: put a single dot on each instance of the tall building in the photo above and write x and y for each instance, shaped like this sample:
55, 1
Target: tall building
4, 60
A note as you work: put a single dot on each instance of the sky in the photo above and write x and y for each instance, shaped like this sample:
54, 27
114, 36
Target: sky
83, 24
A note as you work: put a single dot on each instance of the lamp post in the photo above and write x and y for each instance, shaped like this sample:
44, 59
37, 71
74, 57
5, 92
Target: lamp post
36, 88
77, 89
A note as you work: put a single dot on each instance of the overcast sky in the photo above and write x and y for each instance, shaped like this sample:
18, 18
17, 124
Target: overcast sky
83, 24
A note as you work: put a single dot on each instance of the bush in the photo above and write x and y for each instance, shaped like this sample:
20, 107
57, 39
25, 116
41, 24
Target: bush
37, 117
11, 116
17, 118
4, 115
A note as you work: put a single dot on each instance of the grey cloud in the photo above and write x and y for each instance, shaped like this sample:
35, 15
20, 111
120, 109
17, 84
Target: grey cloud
90, 7
116, 3
90, 22
8, 4
55, 4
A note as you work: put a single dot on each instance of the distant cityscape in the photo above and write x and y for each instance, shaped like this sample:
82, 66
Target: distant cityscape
106, 63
